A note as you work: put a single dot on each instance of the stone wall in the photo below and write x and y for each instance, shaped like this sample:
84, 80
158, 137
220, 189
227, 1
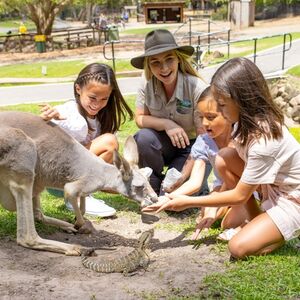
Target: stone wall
287, 96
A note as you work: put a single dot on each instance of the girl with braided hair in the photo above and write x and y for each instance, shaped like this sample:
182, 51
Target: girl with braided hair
92, 118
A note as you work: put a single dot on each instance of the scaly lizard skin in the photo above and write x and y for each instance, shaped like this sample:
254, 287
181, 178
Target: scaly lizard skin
124, 264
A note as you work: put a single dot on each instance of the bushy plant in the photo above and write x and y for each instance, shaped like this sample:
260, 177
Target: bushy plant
221, 13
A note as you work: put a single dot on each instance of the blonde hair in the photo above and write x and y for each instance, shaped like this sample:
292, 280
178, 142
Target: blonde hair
185, 65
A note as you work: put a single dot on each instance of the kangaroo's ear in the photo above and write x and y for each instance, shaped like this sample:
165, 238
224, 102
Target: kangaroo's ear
122, 165
117, 159
131, 153
146, 172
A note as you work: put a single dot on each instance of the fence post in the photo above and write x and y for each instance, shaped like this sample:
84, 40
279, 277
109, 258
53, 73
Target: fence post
112, 52
199, 40
94, 37
113, 55
284, 49
20, 43
254, 52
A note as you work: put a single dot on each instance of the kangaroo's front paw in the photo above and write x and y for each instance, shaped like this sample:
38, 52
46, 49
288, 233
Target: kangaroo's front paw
69, 229
87, 227
74, 250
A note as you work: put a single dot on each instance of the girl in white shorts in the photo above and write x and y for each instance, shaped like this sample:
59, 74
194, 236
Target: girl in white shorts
271, 156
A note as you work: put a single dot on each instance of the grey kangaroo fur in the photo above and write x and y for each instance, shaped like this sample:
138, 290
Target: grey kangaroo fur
35, 154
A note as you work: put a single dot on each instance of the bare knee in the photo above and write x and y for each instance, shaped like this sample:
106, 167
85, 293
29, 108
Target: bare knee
229, 166
104, 146
225, 158
238, 248
110, 141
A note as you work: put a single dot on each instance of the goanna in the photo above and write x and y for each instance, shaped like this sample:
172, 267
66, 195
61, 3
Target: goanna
127, 263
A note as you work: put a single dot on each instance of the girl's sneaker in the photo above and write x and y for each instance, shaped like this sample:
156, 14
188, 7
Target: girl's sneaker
227, 234
95, 207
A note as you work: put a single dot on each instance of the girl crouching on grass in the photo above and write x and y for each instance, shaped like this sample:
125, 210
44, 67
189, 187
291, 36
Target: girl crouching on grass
92, 119
272, 161
205, 150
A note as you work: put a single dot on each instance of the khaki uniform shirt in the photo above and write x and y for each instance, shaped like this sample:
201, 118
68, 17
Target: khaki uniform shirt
182, 105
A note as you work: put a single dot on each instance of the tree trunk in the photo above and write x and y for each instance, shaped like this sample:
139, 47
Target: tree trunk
89, 8
74, 13
82, 14
43, 13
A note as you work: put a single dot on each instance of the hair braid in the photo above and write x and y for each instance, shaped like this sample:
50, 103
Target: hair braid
115, 112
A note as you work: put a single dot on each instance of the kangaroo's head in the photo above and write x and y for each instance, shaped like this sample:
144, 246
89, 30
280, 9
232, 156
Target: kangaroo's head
135, 179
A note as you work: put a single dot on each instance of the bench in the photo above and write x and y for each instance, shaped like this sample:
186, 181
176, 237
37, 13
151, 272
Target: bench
78, 41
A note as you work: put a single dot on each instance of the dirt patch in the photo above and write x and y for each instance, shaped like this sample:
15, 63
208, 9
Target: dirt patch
176, 268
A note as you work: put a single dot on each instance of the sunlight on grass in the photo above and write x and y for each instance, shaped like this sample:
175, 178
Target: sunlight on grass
33, 70
294, 71
55, 68
13, 25
32, 108
296, 133
274, 276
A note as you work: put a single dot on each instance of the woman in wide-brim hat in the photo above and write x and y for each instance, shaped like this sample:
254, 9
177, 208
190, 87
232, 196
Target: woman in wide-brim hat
165, 104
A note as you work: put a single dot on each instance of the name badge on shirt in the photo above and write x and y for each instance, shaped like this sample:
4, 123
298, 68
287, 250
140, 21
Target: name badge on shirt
183, 106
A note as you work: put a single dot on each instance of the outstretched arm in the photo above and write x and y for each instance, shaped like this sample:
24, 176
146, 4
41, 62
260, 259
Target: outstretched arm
194, 183
239, 195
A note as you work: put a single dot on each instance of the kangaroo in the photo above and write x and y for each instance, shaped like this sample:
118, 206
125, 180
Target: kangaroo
35, 154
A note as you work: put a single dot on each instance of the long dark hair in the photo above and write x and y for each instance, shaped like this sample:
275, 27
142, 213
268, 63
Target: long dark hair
114, 113
240, 80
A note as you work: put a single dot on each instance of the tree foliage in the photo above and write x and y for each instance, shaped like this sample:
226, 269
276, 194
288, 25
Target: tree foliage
41, 12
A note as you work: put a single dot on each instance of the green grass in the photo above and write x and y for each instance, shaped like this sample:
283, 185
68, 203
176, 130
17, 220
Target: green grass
294, 71
54, 68
32, 108
296, 133
14, 24
33, 70
122, 65
274, 276
266, 43
19, 84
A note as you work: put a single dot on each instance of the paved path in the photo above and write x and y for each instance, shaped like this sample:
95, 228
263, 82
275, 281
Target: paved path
54, 92
269, 61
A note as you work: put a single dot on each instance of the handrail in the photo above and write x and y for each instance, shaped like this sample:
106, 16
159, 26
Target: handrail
255, 40
112, 50
199, 53
284, 49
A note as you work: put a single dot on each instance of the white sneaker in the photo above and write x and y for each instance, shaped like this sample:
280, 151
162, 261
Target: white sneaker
228, 234
95, 207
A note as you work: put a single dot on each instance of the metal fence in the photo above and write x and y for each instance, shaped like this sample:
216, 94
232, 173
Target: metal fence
286, 46
204, 42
